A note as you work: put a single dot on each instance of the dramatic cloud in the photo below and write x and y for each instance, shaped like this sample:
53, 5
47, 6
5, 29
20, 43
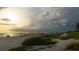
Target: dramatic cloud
4, 19
51, 19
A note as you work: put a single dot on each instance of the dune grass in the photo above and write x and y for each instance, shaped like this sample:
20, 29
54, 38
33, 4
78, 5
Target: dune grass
73, 47
74, 35
17, 49
38, 41
34, 41
46, 40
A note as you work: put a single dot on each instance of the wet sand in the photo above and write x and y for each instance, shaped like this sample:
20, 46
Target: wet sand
10, 42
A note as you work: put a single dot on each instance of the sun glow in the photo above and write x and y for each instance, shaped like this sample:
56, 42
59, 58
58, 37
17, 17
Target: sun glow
15, 18
11, 16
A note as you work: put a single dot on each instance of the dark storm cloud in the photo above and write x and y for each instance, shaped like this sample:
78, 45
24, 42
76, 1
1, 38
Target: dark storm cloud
53, 19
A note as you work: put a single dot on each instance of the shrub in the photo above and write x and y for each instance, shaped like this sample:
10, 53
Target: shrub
49, 46
29, 43
73, 47
17, 49
38, 41
65, 38
74, 35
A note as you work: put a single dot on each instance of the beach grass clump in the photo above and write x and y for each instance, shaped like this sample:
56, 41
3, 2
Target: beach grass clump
73, 47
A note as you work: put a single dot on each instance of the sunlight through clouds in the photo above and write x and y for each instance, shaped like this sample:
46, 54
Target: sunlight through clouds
48, 19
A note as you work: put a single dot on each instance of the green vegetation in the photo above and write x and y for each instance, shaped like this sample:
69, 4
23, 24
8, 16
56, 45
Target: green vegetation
35, 41
55, 36
74, 35
73, 47
65, 37
38, 41
47, 40
17, 49
49, 46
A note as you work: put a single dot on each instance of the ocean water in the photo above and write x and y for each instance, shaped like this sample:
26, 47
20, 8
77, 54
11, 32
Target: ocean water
9, 34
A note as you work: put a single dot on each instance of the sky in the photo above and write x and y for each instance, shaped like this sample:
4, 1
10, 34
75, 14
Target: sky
35, 19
